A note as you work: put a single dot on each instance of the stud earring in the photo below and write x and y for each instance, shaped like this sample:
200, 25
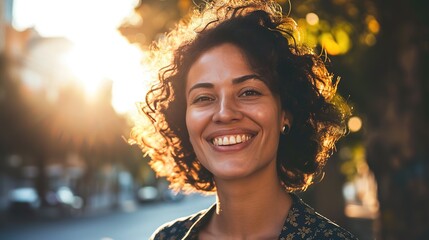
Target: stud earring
285, 129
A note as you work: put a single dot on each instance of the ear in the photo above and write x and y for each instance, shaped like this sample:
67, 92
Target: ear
287, 119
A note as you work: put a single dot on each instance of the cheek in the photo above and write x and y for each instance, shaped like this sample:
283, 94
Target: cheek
269, 117
190, 119
194, 123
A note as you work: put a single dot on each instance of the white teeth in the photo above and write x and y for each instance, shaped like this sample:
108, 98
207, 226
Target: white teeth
230, 140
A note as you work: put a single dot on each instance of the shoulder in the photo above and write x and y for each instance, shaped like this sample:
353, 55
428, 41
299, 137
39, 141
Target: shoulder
304, 222
326, 229
177, 228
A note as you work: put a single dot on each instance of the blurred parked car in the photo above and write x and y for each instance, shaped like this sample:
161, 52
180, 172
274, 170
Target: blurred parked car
23, 201
158, 191
64, 200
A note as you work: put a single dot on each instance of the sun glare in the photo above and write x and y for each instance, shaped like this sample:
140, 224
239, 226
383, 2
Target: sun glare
86, 69
98, 60
100, 52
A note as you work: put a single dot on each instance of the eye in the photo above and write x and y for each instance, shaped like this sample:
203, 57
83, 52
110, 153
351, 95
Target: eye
202, 98
250, 92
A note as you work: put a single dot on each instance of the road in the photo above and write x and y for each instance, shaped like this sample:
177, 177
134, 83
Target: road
132, 224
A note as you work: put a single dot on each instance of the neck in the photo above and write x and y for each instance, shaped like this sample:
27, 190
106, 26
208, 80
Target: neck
254, 206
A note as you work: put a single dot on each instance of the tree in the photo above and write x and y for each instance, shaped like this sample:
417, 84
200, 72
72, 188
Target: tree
398, 143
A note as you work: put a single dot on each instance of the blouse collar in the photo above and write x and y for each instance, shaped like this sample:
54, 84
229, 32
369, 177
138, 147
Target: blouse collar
204, 218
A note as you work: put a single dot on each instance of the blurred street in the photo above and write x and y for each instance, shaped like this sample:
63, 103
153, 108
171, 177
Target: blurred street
127, 223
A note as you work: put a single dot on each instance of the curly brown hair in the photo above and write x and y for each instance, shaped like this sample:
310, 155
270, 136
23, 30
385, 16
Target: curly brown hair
294, 72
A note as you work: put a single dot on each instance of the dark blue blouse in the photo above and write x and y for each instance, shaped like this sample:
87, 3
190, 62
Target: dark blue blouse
302, 222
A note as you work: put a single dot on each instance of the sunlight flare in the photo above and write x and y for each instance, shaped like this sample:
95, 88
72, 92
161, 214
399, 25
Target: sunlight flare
100, 53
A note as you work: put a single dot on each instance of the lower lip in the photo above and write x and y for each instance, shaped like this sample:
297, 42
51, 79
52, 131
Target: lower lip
231, 148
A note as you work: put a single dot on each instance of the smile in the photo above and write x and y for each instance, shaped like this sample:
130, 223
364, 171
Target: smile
231, 139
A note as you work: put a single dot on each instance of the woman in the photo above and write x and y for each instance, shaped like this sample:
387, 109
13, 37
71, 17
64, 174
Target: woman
241, 110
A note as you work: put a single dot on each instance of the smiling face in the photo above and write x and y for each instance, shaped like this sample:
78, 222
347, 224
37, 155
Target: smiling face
232, 117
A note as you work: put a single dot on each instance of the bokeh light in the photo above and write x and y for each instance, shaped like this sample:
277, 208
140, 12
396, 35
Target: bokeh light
372, 23
354, 124
312, 18
336, 43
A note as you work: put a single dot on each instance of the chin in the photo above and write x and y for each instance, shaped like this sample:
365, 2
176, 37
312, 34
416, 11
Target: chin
231, 174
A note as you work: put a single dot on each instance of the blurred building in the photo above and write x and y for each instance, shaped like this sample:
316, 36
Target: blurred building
53, 141
5, 18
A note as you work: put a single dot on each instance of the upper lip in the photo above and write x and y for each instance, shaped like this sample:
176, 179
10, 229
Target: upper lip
226, 132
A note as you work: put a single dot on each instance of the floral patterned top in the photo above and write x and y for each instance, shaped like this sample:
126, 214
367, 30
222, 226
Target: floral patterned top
302, 222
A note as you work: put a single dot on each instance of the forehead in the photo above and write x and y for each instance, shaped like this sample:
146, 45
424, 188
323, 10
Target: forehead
225, 61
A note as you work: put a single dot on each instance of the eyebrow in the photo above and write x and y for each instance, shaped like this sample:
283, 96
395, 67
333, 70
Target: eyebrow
234, 81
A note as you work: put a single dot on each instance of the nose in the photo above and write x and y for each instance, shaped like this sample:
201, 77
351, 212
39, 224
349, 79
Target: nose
227, 111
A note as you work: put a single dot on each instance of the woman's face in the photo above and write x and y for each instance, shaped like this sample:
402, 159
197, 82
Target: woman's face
233, 118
